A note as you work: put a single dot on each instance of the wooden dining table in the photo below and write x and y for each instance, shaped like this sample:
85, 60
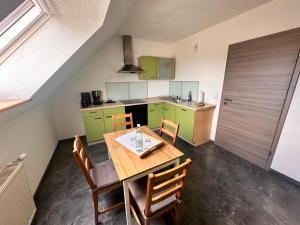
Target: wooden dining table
130, 166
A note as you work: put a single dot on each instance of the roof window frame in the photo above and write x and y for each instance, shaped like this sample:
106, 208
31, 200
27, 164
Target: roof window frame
22, 24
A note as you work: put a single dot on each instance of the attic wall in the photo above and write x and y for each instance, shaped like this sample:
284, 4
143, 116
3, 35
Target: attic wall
32, 133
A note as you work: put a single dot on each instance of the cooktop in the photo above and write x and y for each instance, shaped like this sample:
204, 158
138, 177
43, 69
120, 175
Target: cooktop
132, 101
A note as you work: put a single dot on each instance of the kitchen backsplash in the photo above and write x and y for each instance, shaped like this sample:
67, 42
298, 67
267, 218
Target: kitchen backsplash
137, 90
182, 89
126, 90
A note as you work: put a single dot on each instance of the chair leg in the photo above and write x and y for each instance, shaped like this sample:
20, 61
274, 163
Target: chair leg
147, 221
178, 215
96, 209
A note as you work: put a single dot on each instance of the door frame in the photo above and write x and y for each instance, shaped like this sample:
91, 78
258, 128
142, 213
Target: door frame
284, 112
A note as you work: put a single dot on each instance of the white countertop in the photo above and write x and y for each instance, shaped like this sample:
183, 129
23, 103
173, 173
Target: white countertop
190, 105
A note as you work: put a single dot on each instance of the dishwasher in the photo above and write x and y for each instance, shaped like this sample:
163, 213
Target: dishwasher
139, 114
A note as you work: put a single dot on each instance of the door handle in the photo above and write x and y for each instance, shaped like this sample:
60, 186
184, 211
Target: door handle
226, 100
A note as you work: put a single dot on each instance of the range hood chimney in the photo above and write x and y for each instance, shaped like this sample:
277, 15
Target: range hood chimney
128, 57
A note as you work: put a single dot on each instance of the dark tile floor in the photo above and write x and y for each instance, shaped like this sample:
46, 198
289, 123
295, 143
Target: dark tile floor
221, 189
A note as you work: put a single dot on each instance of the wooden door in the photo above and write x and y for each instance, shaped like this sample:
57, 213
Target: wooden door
257, 79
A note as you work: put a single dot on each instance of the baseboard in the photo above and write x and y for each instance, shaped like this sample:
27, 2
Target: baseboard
211, 141
285, 177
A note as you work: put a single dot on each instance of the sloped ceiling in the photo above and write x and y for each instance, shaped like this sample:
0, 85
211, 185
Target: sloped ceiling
32, 64
117, 11
171, 20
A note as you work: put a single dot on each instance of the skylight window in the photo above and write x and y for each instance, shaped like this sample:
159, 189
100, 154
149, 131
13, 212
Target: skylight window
18, 20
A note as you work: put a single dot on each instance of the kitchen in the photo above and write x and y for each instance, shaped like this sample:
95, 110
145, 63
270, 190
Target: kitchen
179, 105
225, 75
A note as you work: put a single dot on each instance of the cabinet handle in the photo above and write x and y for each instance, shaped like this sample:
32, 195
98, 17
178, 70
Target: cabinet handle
108, 116
98, 118
152, 110
227, 100
183, 109
93, 112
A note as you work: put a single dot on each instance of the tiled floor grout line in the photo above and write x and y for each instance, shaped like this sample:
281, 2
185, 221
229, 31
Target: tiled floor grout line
64, 198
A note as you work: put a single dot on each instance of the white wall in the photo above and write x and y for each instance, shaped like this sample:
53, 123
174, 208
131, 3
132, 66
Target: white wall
207, 64
287, 157
32, 133
102, 67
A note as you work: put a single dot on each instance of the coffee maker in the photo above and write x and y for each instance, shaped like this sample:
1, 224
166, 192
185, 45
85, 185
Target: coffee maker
97, 99
85, 99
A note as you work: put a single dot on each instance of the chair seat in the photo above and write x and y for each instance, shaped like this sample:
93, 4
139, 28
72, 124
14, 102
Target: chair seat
138, 190
104, 174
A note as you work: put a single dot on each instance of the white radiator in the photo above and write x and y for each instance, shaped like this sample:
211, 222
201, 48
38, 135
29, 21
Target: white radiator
16, 202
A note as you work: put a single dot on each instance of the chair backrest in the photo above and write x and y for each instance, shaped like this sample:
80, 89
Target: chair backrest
163, 129
83, 160
117, 124
165, 184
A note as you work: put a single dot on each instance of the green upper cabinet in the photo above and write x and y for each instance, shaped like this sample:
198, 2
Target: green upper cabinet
108, 113
165, 68
149, 66
186, 119
94, 125
155, 114
157, 68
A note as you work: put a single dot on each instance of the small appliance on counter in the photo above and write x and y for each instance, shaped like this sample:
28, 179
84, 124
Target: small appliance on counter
97, 97
85, 99
110, 101
201, 101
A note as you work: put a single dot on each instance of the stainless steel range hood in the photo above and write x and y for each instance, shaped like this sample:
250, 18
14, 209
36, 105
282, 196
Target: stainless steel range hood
128, 57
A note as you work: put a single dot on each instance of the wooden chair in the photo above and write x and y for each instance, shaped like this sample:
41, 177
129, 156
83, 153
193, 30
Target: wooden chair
159, 193
101, 177
116, 124
163, 129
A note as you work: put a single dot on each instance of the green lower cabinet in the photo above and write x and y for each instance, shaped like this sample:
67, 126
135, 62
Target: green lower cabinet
154, 117
186, 119
108, 124
94, 128
108, 113
169, 112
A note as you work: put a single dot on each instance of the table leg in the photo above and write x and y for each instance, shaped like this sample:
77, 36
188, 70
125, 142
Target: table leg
127, 202
177, 162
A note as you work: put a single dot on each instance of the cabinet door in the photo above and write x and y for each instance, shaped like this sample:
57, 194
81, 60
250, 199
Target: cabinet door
154, 117
149, 65
108, 113
108, 124
94, 128
173, 69
169, 112
164, 68
185, 118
